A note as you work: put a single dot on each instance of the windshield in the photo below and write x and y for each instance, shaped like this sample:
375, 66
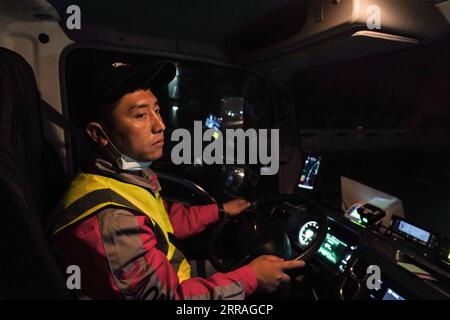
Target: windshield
384, 121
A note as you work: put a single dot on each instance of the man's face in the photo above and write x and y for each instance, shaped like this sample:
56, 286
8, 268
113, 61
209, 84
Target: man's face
136, 127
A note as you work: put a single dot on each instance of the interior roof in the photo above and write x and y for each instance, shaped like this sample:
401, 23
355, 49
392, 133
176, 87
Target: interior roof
208, 20
237, 22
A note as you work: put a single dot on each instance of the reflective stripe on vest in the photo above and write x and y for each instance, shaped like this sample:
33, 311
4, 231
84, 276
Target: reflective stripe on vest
89, 193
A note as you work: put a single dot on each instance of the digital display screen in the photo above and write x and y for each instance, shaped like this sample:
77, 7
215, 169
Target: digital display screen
309, 173
414, 231
335, 252
392, 295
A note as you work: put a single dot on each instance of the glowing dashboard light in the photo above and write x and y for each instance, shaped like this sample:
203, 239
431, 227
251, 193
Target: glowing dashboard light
307, 233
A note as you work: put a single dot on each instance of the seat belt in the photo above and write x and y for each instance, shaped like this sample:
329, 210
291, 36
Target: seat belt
57, 118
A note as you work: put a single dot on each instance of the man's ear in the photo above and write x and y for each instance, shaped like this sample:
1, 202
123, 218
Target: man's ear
96, 134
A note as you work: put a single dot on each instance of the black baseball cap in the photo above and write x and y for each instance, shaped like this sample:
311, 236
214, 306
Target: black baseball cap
110, 82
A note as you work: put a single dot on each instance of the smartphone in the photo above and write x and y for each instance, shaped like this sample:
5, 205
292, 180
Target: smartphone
309, 172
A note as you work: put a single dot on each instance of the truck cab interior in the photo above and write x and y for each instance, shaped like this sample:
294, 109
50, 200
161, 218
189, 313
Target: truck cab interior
359, 91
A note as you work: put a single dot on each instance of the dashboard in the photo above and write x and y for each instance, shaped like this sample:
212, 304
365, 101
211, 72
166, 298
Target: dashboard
346, 262
370, 250
337, 248
413, 262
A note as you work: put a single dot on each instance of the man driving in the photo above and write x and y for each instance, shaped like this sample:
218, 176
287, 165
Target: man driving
112, 221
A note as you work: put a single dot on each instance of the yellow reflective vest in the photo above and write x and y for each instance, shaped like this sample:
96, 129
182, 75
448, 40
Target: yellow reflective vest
89, 193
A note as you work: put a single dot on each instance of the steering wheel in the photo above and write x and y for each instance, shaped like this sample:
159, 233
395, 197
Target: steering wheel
255, 234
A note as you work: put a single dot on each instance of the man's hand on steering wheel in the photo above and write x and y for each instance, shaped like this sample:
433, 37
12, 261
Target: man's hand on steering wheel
235, 207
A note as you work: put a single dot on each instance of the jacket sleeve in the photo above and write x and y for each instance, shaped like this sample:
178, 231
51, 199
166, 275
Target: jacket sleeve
141, 271
188, 221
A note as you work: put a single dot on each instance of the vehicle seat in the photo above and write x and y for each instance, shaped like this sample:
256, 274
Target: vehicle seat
31, 181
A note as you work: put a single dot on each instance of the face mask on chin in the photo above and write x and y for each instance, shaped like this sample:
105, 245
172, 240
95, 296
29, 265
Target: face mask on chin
127, 163
123, 161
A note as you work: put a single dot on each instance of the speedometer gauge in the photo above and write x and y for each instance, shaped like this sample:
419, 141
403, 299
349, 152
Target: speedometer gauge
308, 233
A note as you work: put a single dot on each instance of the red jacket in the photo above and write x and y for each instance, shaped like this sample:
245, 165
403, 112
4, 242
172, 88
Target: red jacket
118, 258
